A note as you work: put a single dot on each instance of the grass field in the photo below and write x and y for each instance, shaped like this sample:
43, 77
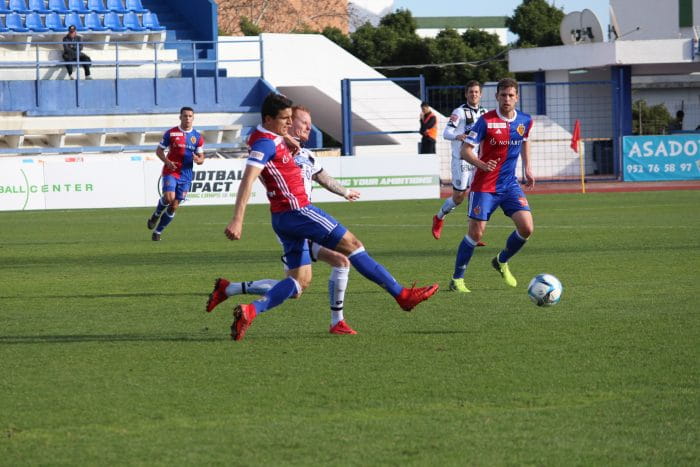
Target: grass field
108, 357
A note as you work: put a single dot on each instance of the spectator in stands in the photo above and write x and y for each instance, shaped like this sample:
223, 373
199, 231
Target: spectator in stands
677, 123
185, 146
428, 129
71, 52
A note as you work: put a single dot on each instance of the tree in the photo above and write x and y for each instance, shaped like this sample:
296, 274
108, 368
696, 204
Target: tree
248, 28
648, 120
536, 23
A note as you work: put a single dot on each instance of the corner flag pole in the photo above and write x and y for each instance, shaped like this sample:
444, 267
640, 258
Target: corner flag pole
577, 146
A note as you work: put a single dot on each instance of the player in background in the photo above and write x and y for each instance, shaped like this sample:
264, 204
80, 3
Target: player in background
185, 146
295, 219
503, 135
456, 130
338, 281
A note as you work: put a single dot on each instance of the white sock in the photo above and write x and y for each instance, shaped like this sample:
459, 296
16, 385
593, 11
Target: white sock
337, 284
253, 287
447, 207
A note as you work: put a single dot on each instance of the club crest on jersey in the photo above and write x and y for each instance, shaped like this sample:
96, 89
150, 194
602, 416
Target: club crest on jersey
523, 201
193, 139
520, 129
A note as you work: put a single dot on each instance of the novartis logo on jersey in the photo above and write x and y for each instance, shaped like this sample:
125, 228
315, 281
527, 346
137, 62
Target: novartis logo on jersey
505, 142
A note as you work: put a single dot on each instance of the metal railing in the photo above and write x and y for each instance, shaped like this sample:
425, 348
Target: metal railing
195, 63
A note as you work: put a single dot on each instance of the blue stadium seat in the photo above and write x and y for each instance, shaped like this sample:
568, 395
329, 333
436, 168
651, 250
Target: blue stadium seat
55, 23
2, 25
33, 22
98, 6
131, 22
59, 6
150, 22
78, 6
3, 7
14, 22
38, 6
116, 5
135, 6
73, 19
93, 22
113, 22
19, 6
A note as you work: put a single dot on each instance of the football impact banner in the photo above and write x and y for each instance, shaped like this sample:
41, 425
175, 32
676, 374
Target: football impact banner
660, 158
98, 181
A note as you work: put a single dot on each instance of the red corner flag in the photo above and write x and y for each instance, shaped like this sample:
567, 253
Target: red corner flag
576, 136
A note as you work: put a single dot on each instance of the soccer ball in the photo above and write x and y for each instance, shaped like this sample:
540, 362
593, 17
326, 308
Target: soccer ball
545, 290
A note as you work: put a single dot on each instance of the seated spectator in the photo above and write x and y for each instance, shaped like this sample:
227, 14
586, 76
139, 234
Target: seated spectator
71, 48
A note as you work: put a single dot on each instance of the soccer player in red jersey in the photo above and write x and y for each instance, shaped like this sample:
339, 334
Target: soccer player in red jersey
502, 135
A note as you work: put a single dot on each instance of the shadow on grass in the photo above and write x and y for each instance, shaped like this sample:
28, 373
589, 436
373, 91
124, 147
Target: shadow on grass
75, 338
109, 295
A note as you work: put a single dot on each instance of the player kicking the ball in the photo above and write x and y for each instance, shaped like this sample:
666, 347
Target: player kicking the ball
338, 281
295, 219
503, 135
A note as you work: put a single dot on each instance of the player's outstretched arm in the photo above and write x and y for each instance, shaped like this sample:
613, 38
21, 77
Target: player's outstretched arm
234, 229
467, 153
198, 158
334, 186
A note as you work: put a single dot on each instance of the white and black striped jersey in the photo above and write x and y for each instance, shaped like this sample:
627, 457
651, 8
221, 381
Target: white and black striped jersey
461, 121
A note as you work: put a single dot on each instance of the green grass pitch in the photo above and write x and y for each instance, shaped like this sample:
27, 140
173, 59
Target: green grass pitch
108, 357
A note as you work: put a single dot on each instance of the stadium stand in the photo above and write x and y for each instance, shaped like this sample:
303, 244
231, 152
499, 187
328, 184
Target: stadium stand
19, 6
38, 6
59, 6
77, 6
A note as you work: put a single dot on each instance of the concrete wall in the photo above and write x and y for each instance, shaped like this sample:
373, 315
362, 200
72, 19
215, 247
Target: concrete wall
656, 19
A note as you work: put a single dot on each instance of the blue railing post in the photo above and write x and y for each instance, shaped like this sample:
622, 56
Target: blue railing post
216, 72
116, 74
346, 117
194, 73
155, 72
36, 83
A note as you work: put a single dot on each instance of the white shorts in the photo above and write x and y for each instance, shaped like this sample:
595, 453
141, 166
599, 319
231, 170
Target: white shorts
462, 174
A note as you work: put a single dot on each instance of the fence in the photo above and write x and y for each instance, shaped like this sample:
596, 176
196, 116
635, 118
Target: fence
120, 56
555, 107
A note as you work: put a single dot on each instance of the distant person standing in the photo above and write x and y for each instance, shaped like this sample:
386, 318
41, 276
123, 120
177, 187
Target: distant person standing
428, 129
460, 124
71, 52
185, 146
677, 124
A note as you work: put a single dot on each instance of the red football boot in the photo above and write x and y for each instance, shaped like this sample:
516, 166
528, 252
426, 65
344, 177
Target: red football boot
341, 327
243, 316
437, 227
218, 295
410, 297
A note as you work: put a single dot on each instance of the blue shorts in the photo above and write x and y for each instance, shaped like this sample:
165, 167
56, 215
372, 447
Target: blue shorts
294, 228
482, 204
179, 185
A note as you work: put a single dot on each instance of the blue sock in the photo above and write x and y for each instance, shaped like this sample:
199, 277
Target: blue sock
164, 221
160, 207
514, 243
464, 255
368, 267
283, 290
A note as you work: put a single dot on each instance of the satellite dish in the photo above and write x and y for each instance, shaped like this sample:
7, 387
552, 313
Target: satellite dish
590, 24
579, 27
569, 24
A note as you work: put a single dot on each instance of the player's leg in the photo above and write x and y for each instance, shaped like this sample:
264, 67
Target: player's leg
481, 205
224, 289
516, 207
337, 285
298, 260
168, 185
460, 185
182, 187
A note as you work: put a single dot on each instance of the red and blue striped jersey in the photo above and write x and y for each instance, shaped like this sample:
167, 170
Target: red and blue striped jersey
499, 139
181, 145
280, 175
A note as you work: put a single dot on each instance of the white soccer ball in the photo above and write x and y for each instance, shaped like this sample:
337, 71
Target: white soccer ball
545, 290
